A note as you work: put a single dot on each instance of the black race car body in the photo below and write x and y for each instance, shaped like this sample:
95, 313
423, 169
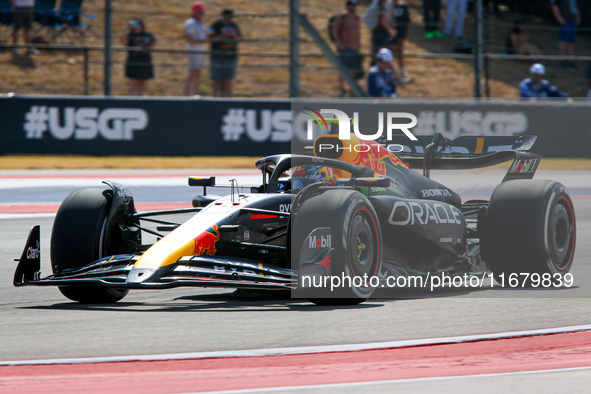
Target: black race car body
355, 212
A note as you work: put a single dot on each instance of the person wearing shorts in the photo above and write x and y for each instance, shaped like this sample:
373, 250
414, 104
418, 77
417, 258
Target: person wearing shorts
23, 14
347, 33
196, 37
568, 17
224, 35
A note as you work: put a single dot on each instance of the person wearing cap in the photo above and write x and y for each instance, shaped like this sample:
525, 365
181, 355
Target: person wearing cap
537, 87
138, 66
382, 76
224, 35
196, 37
347, 34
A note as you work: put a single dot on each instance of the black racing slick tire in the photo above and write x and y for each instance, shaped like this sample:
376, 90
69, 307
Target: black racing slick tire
355, 249
529, 228
77, 239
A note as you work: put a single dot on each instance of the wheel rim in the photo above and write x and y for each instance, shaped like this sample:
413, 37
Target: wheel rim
561, 234
361, 246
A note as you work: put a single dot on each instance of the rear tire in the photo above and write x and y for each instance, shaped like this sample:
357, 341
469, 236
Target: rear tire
529, 228
356, 241
77, 239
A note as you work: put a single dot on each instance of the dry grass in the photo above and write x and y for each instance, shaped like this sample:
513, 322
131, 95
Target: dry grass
23, 162
59, 72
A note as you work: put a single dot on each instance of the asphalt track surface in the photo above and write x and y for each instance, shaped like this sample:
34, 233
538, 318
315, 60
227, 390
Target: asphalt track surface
39, 323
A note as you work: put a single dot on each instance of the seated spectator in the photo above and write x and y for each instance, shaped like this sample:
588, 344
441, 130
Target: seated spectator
536, 86
380, 81
518, 42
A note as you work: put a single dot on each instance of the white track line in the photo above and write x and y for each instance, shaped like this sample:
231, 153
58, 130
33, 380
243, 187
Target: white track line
5, 216
380, 382
304, 349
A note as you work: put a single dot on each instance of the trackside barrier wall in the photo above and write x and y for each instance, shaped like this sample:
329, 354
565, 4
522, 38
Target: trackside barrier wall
253, 127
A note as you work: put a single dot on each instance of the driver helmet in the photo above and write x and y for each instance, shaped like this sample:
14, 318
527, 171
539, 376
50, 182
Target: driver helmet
303, 176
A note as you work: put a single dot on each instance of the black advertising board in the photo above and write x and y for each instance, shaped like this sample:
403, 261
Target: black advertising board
251, 127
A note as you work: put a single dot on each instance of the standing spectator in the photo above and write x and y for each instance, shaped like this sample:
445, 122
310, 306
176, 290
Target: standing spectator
589, 79
518, 42
380, 19
346, 31
456, 13
381, 77
403, 21
23, 14
567, 15
537, 86
138, 66
224, 35
431, 16
196, 37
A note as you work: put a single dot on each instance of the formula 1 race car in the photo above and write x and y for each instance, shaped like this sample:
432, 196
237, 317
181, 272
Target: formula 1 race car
356, 211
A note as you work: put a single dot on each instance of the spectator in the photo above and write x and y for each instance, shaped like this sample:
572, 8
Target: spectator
224, 35
495, 7
456, 13
589, 79
431, 16
346, 31
138, 66
380, 81
23, 14
403, 21
536, 86
196, 37
380, 19
518, 42
568, 17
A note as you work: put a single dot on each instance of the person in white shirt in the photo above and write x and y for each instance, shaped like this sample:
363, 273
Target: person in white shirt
196, 36
23, 14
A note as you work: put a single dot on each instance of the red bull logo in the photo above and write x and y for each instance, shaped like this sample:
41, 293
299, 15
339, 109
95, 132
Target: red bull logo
326, 264
299, 171
375, 156
205, 242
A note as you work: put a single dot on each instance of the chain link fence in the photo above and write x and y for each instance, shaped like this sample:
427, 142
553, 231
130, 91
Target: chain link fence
72, 58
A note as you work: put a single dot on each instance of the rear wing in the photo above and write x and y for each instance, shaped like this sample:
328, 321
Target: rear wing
469, 152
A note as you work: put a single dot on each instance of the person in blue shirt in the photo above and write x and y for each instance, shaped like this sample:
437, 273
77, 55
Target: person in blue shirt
536, 86
382, 76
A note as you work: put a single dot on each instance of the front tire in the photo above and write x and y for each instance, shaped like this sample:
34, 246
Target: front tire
356, 242
78, 238
529, 228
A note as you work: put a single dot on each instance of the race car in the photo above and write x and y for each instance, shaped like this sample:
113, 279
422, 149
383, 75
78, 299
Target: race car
360, 210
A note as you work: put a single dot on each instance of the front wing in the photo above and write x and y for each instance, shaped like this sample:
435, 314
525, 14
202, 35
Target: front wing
119, 272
